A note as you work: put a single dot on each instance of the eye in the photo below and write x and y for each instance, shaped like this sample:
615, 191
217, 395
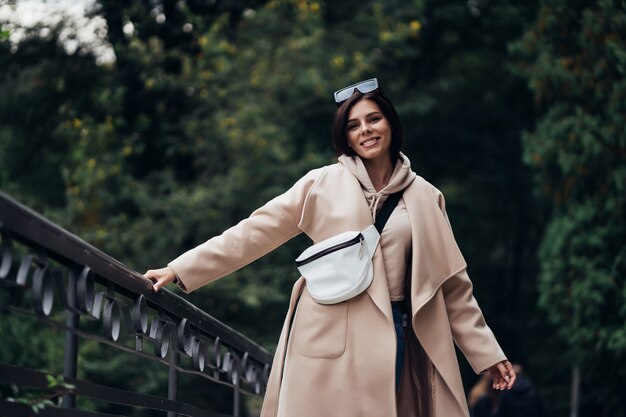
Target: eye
375, 119
352, 126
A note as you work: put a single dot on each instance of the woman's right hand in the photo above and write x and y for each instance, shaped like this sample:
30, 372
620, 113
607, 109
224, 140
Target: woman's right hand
162, 277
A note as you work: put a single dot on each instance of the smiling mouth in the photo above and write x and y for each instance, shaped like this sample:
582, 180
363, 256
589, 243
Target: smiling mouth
370, 142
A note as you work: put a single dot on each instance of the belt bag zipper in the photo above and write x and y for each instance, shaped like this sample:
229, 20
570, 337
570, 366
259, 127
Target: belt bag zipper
357, 239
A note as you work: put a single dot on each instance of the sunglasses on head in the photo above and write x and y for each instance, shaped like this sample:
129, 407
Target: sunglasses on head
364, 87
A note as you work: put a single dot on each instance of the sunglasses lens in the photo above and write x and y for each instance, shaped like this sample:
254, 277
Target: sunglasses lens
367, 86
364, 87
343, 95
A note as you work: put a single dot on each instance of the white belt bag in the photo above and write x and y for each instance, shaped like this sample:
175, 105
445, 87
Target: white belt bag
340, 267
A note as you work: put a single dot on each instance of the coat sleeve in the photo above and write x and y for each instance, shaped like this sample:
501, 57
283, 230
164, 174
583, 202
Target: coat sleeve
267, 228
469, 330
468, 326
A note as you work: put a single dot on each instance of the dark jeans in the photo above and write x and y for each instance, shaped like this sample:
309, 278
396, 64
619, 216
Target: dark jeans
399, 322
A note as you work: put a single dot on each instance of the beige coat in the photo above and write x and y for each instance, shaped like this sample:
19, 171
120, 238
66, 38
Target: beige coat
339, 360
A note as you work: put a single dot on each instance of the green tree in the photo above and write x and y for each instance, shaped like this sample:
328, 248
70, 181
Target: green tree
574, 58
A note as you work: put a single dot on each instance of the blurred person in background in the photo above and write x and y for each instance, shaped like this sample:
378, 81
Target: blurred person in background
523, 399
483, 399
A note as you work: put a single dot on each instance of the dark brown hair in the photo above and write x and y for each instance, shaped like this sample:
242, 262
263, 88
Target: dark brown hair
340, 122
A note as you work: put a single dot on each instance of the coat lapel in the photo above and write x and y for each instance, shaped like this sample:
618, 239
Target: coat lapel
435, 255
435, 258
379, 290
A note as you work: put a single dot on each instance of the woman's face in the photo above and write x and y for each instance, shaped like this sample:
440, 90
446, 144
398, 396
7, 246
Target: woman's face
368, 131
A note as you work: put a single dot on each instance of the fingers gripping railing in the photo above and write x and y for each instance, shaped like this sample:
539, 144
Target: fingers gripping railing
62, 272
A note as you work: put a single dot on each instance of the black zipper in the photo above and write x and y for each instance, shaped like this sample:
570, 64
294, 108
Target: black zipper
358, 238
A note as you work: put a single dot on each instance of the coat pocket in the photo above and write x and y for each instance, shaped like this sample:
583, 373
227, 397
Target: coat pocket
319, 331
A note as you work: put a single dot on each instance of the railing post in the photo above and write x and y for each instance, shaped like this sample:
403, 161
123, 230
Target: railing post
172, 381
575, 391
236, 400
70, 356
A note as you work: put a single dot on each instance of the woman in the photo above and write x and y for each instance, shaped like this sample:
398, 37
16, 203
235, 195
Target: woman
358, 358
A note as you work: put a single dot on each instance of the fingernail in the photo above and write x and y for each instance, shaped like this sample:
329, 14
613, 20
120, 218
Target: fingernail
507, 378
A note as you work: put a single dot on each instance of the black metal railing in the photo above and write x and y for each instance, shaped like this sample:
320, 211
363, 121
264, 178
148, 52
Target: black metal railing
68, 282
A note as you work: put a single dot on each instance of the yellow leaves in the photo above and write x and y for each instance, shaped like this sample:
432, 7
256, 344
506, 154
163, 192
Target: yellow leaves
109, 125
156, 45
221, 65
399, 31
414, 28
255, 78
101, 174
356, 62
235, 135
385, 36
127, 150
313, 7
227, 47
149, 83
390, 30
91, 164
76, 123
307, 8
259, 141
188, 67
337, 61
360, 64
415, 25
227, 122
101, 232
202, 41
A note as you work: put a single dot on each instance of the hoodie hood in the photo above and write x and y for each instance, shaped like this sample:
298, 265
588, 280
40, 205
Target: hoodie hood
401, 177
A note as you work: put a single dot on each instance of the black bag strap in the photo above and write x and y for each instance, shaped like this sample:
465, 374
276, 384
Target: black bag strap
385, 211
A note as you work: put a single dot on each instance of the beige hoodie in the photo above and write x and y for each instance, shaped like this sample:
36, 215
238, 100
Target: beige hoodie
401, 177
395, 240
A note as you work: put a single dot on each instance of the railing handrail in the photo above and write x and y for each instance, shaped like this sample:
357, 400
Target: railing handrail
36, 230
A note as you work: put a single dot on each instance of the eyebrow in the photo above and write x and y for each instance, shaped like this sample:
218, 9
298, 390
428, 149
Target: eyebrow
367, 115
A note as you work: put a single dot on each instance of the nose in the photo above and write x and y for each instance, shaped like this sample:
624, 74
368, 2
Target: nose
366, 130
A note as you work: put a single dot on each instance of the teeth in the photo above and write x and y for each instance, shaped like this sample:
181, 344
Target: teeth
368, 142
